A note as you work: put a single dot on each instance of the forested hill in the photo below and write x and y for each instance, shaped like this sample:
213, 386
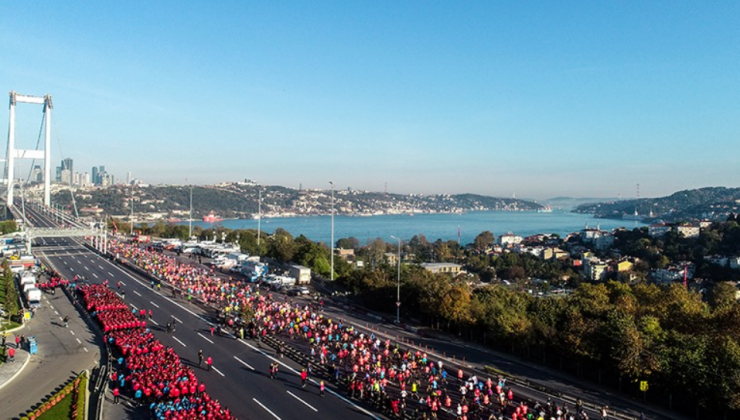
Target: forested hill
702, 203
240, 200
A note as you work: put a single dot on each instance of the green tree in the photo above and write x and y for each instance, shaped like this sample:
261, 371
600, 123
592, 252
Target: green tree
484, 241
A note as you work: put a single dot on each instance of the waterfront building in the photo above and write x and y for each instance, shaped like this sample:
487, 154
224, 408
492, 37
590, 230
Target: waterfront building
435, 268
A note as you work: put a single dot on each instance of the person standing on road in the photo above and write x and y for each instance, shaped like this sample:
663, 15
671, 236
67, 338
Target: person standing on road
209, 363
321, 388
200, 357
604, 413
11, 354
116, 392
66, 321
304, 376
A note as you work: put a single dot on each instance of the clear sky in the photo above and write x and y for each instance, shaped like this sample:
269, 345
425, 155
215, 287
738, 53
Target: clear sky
537, 99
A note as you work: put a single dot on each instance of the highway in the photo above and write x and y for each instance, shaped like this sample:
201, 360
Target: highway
239, 378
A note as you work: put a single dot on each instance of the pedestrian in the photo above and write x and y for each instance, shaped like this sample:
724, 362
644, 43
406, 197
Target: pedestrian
150, 314
200, 357
209, 362
321, 388
212, 329
11, 354
304, 376
66, 321
17, 341
116, 392
169, 327
604, 413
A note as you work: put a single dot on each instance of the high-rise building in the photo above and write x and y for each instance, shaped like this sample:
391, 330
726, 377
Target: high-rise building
37, 175
128, 177
66, 177
94, 177
68, 164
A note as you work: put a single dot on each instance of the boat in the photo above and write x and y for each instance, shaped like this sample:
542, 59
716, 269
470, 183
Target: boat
211, 218
546, 209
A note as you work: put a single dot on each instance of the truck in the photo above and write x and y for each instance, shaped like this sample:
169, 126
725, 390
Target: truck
254, 270
33, 296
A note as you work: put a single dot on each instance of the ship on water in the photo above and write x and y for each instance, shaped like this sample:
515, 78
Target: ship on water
211, 218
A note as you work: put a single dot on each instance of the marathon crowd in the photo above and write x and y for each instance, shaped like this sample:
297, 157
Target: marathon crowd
152, 373
400, 382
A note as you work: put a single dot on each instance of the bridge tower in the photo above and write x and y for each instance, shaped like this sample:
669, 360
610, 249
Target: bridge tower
13, 153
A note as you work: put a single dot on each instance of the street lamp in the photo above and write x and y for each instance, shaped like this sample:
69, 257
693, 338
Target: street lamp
398, 284
190, 219
259, 216
332, 230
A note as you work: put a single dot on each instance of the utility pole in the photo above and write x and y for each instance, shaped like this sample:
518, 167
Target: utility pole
398, 284
132, 210
190, 219
259, 216
332, 230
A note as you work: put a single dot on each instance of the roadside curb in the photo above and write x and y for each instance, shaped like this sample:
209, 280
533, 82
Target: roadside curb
25, 363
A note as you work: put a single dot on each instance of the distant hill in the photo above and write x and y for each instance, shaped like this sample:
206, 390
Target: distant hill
570, 203
702, 203
232, 200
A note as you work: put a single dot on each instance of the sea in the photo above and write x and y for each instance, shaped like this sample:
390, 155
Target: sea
432, 226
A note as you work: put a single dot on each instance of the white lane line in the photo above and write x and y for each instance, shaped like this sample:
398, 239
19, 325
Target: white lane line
154, 304
111, 274
86, 350
101, 267
266, 409
206, 338
65, 262
135, 308
121, 282
307, 404
153, 321
72, 332
183, 344
243, 362
177, 319
217, 371
137, 293
95, 275
357, 407
55, 312
71, 269
78, 341
85, 267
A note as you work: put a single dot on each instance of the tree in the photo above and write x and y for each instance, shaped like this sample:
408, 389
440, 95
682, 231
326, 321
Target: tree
348, 243
484, 241
723, 296
282, 247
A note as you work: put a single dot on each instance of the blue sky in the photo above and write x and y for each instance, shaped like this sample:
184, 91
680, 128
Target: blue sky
537, 99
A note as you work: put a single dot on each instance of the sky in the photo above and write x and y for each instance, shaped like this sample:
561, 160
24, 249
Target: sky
535, 99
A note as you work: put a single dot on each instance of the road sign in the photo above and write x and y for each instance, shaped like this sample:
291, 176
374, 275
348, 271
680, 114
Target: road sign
398, 304
643, 386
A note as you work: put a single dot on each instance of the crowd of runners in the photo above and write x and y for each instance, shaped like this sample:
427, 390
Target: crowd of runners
147, 370
395, 380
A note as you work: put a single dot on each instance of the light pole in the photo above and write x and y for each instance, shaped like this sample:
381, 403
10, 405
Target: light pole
398, 284
132, 209
190, 219
332, 230
259, 216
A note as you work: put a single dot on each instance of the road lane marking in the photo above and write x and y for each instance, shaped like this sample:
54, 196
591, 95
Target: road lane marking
153, 321
101, 267
55, 312
357, 407
243, 362
177, 319
206, 338
154, 304
266, 409
71, 269
95, 275
137, 293
72, 332
217, 371
183, 344
85, 267
86, 350
307, 404
65, 262
111, 274
78, 341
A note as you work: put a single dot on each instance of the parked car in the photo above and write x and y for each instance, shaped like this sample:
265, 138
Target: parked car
298, 291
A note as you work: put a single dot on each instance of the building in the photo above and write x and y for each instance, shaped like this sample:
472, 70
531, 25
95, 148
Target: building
594, 268
554, 254
688, 230
657, 230
509, 239
37, 175
435, 268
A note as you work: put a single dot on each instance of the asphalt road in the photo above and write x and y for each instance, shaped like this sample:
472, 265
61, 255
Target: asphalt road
239, 378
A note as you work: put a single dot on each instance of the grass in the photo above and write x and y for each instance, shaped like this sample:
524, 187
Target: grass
60, 411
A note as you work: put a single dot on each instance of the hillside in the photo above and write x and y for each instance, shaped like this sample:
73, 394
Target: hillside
702, 203
231, 200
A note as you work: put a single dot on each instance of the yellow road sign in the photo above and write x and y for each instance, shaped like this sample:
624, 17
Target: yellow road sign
643, 386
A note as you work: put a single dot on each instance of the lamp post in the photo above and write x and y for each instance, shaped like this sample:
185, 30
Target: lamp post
190, 219
398, 284
132, 209
332, 230
259, 216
